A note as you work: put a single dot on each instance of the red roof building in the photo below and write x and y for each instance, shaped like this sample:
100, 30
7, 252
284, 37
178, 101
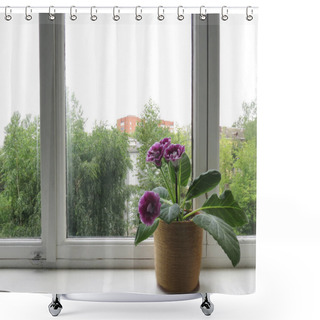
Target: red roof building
128, 124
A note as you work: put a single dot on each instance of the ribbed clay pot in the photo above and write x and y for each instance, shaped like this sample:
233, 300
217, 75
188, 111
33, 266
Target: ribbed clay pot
178, 251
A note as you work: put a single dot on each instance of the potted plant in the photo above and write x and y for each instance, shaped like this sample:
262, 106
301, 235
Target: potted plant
167, 212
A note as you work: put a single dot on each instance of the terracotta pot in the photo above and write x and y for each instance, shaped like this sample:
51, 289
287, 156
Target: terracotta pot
178, 250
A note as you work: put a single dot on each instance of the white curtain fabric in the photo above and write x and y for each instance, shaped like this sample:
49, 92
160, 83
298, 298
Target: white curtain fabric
122, 65
113, 72
19, 70
238, 65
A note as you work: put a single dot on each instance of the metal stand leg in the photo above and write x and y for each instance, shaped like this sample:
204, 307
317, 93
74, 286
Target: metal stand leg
55, 306
207, 306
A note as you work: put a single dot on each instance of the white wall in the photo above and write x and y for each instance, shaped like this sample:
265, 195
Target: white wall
288, 225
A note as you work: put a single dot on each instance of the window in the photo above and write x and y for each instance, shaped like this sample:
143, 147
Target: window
101, 163
91, 170
20, 197
21, 225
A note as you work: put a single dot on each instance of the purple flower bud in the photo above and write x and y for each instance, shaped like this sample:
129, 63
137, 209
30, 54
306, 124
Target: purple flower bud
155, 154
174, 152
149, 207
165, 142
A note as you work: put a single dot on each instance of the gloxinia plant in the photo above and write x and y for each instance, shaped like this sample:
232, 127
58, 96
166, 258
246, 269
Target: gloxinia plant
218, 215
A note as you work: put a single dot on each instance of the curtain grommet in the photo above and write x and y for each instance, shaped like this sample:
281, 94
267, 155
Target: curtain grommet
160, 15
116, 16
203, 13
52, 11
28, 12
249, 16
93, 16
138, 16
7, 16
73, 12
224, 13
180, 13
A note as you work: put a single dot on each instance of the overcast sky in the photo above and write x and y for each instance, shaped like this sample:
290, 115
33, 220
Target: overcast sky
114, 68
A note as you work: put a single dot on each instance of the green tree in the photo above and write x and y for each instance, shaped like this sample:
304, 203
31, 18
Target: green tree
20, 198
149, 131
248, 120
98, 163
97, 166
238, 165
243, 185
226, 162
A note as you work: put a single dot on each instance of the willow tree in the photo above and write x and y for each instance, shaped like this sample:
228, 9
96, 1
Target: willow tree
97, 166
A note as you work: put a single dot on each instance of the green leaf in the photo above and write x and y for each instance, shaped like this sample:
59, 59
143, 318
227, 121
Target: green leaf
172, 173
188, 205
226, 208
169, 213
222, 233
204, 183
144, 231
162, 192
185, 170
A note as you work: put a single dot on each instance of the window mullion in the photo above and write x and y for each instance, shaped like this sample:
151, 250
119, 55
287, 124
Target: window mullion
52, 87
206, 93
199, 103
213, 120
205, 96
60, 89
199, 95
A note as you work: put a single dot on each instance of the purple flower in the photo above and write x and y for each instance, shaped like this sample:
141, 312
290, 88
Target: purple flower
155, 154
149, 207
165, 142
174, 152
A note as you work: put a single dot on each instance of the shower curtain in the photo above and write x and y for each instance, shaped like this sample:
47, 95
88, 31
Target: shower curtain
85, 95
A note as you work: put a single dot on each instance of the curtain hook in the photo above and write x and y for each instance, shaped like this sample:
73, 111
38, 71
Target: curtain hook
93, 17
224, 13
73, 12
203, 13
7, 16
116, 17
28, 10
138, 16
180, 13
249, 16
160, 16
52, 11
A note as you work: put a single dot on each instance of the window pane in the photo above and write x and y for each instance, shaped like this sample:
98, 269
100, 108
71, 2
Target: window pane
20, 211
129, 85
238, 117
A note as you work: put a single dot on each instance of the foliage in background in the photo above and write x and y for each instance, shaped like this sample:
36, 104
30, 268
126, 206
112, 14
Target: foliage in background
148, 131
238, 165
97, 197
20, 179
98, 163
97, 166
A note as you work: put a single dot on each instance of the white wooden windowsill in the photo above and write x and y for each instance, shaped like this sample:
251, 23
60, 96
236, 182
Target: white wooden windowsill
143, 281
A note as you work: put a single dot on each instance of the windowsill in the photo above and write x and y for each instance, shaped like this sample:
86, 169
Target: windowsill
143, 281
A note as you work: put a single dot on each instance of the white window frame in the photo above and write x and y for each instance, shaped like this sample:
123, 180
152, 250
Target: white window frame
24, 252
55, 249
206, 115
